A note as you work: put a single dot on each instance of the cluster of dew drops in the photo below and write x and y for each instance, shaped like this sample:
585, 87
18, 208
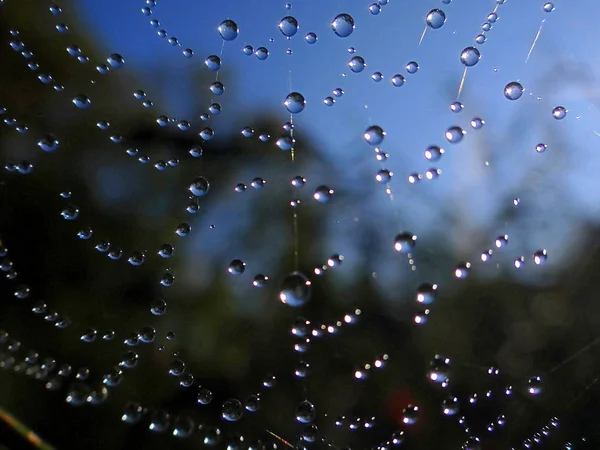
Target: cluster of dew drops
295, 289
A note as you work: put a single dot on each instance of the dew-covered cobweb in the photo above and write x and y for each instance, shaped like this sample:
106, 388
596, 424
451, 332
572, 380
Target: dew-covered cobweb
323, 225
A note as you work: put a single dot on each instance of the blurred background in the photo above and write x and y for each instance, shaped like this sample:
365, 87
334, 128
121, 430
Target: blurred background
125, 322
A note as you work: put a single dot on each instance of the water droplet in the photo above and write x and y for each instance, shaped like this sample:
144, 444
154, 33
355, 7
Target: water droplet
260, 280
377, 77
159, 421
548, 7
295, 102
252, 403
450, 406
456, 107
410, 415
262, 53
502, 241
472, 443
374, 9
132, 413
455, 134
397, 439
540, 257
435, 19
213, 63
426, 293
470, 56
477, 123
288, 26
167, 279
462, 270
236, 267
228, 30
166, 251
55, 9
383, 176
130, 360
323, 194
534, 386
306, 412
116, 61
70, 213
343, 25
295, 290
559, 112
357, 64
513, 90
147, 335
541, 147
311, 38
177, 367
433, 153
187, 380
49, 143
374, 135
183, 229
405, 242
199, 187
398, 80
232, 410
81, 101
89, 335
412, 67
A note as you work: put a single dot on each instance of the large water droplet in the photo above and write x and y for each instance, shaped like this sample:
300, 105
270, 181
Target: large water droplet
288, 26
48, 143
295, 290
116, 61
374, 135
81, 101
295, 102
405, 242
559, 112
357, 64
470, 56
199, 187
228, 30
306, 412
232, 410
435, 18
455, 134
513, 90
323, 194
343, 25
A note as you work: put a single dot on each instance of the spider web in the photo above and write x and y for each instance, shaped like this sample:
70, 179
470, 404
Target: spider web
266, 225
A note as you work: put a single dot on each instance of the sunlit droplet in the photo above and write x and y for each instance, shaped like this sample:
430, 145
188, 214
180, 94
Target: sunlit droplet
470, 56
228, 30
405, 242
435, 19
343, 25
295, 290
513, 90
295, 102
374, 135
323, 194
559, 112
